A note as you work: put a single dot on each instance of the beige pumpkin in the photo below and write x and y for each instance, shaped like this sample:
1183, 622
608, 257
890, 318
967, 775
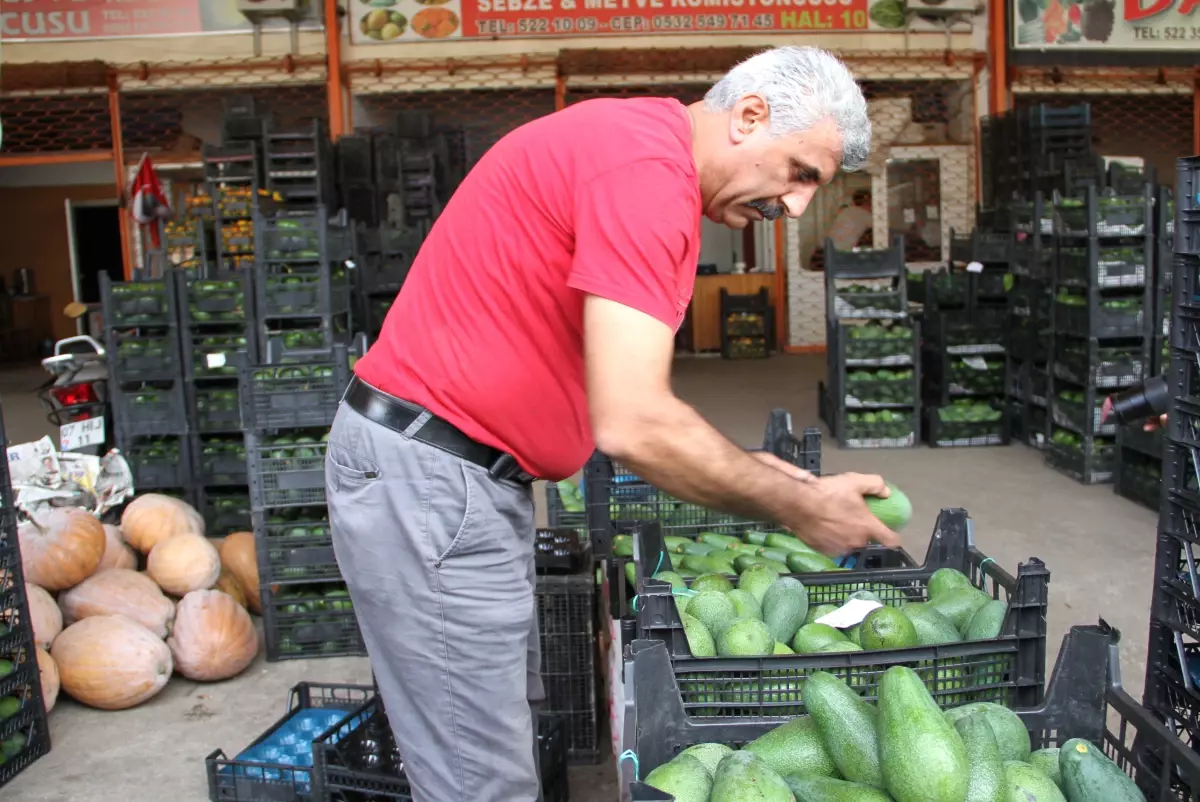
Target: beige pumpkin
239, 557
117, 553
48, 673
44, 615
214, 637
184, 563
111, 662
119, 591
227, 583
61, 549
152, 518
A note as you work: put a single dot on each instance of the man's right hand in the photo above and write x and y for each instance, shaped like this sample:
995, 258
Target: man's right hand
836, 520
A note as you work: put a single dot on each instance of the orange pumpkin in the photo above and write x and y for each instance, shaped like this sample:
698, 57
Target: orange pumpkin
214, 636
227, 583
44, 615
238, 555
152, 518
48, 672
117, 553
119, 591
62, 549
184, 563
111, 662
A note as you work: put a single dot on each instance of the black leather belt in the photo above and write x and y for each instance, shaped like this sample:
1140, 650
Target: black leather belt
398, 415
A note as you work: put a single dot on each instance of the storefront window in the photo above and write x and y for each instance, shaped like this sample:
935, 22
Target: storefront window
915, 207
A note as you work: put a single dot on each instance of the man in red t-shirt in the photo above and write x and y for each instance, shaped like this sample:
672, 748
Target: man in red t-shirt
537, 324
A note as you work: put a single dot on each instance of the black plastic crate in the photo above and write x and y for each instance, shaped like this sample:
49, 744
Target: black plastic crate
947, 430
938, 289
355, 162
873, 344
864, 428
385, 273
1084, 699
314, 340
1107, 265
1009, 669
217, 301
1087, 362
158, 462
950, 376
1032, 426
1136, 438
295, 546
1139, 478
1033, 256
865, 284
148, 408
314, 291
301, 239
985, 247
1098, 317
1029, 338
219, 460
286, 470
1085, 458
1079, 409
619, 501
215, 408
880, 388
557, 514
558, 550
294, 396
358, 759
216, 354
1187, 210
144, 357
1034, 218
28, 723
303, 621
146, 303
224, 510
566, 613
964, 331
1095, 215
250, 777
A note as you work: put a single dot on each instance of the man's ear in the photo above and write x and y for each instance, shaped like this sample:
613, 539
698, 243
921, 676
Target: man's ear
749, 114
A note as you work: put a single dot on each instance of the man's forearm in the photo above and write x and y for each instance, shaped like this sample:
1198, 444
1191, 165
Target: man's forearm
673, 448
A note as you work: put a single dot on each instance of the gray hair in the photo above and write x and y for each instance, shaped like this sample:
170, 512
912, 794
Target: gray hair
802, 85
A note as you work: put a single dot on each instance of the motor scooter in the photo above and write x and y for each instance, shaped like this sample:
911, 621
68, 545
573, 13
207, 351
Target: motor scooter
76, 396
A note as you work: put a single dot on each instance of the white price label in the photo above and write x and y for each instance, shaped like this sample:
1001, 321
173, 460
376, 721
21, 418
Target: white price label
975, 267
215, 360
932, 213
851, 613
910, 216
976, 362
81, 434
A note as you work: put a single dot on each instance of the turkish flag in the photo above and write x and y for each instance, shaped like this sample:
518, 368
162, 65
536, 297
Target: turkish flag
150, 203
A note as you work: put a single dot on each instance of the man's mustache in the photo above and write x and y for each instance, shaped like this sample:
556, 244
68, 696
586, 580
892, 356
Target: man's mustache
769, 211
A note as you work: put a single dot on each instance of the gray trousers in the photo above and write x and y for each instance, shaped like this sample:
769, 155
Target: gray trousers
438, 558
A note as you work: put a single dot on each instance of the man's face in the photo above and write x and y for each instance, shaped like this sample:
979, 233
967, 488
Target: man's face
759, 176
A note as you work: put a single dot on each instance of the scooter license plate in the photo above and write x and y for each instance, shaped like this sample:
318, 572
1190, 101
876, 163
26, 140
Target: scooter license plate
81, 434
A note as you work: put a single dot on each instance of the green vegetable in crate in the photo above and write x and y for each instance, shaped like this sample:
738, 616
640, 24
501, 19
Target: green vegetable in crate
932, 627
745, 561
746, 605
958, 606
839, 646
784, 607
756, 580
1011, 736
568, 493
887, 628
1088, 775
810, 562
795, 748
895, 511
745, 637
622, 546
9, 707
819, 611
827, 789
987, 621
848, 726
1029, 784
922, 755
717, 582
717, 540
811, 637
1047, 761
710, 755
713, 609
631, 573
986, 782
945, 580
700, 640
743, 776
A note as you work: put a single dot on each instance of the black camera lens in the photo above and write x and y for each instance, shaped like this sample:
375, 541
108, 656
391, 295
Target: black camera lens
1146, 401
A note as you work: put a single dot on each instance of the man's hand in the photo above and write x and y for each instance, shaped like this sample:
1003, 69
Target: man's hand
1155, 423
787, 468
838, 520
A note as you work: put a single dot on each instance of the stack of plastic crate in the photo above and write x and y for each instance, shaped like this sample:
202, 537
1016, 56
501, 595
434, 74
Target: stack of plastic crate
872, 394
567, 627
747, 325
1030, 318
963, 358
1172, 687
147, 393
218, 335
24, 735
383, 272
232, 176
1103, 305
298, 165
302, 287
286, 413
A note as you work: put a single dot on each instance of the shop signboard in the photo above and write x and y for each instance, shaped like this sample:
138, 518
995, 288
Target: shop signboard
49, 20
1060, 26
398, 21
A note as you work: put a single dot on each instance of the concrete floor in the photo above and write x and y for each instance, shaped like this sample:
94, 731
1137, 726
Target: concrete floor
1098, 547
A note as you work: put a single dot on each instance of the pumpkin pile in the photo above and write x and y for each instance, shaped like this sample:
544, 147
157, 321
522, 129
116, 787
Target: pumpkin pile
114, 635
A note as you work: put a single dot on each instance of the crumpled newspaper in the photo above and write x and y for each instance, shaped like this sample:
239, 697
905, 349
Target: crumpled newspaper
43, 477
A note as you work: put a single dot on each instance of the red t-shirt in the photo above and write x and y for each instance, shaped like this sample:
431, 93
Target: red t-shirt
600, 198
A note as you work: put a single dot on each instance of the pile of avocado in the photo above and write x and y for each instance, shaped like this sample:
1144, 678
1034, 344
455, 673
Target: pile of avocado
311, 606
294, 452
964, 418
212, 344
874, 340
10, 706
292, 378
904, 748
881, 386
1102, 447
1068, 298
868, 297
139, 301
154, 449
300, 339
972, 379
149, 348
216, 452
291, 239
879, 424
300, 530
213, 301
216, 400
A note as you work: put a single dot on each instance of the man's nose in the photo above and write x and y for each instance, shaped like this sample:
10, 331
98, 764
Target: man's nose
797, 200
